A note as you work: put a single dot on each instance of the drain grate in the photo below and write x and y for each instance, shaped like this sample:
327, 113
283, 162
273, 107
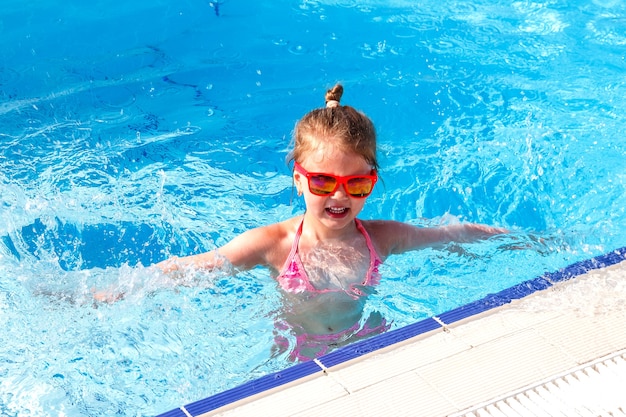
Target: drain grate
593, 389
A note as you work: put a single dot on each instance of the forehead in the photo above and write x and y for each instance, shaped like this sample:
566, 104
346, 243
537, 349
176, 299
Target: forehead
321, 145
330, 158
323, 151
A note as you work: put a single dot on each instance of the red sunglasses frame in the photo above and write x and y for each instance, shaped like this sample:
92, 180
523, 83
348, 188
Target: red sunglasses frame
339, 180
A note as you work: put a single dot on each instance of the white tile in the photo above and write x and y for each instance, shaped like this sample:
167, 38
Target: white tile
503, 365
287, 400
586, 338
484, 329
374, 368
407, 395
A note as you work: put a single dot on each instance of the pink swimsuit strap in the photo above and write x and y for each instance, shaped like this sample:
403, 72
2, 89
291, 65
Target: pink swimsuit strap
293, 277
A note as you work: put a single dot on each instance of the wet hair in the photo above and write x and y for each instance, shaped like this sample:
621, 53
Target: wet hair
341, 126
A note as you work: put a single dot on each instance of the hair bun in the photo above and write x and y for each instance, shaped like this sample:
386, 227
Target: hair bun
333, 96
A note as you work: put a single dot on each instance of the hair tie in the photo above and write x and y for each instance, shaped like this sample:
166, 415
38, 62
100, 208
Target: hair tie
332, 103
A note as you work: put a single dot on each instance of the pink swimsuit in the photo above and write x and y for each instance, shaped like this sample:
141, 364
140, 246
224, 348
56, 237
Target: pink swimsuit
293, 277
309, 346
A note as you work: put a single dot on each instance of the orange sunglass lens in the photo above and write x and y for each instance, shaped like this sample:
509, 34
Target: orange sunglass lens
322, 184
359, 186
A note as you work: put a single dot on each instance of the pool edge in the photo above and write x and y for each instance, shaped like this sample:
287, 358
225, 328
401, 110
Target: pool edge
393, 338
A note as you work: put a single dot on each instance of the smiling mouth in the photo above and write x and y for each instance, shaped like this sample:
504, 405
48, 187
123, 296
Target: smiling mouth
337, 210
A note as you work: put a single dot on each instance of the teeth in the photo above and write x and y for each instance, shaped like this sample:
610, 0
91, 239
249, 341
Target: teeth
336, 210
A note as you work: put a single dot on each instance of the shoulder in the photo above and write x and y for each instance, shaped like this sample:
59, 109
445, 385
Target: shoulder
271, 235
393, 237
264, 245
284, 230
384, 234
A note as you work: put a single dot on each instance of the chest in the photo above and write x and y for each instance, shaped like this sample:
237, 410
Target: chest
336, 266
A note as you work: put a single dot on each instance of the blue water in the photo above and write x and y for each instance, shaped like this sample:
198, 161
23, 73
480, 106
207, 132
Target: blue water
131, 132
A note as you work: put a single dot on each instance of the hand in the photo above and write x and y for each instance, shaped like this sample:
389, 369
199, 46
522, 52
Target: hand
482, 229
109, 296
469, 232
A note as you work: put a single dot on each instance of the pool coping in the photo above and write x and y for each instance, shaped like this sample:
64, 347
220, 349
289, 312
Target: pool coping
305, 370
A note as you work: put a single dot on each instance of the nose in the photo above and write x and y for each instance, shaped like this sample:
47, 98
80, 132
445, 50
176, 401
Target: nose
341, 192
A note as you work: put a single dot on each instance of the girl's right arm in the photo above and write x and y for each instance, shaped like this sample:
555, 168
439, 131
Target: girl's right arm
251, 248
254, 247
207, 260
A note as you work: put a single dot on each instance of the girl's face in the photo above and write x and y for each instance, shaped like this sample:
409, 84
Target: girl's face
336, 210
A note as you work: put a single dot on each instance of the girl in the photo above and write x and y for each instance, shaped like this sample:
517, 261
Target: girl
326, 260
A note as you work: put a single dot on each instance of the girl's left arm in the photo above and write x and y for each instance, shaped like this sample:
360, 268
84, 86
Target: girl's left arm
396, 237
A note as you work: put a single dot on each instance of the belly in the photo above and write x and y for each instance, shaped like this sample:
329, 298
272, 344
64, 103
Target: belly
323, 313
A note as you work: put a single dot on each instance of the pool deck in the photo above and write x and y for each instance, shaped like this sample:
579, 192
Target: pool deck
559, 351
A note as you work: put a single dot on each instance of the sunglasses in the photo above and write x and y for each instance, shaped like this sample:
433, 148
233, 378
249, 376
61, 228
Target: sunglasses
358, 186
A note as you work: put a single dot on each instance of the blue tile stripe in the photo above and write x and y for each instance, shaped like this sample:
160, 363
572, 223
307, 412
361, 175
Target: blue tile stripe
174, 413
581, 267
256, 386
495, 300
528, 287
389, 338
392, 337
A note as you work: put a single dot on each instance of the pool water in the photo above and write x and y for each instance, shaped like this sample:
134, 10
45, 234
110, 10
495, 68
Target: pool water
133, 132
